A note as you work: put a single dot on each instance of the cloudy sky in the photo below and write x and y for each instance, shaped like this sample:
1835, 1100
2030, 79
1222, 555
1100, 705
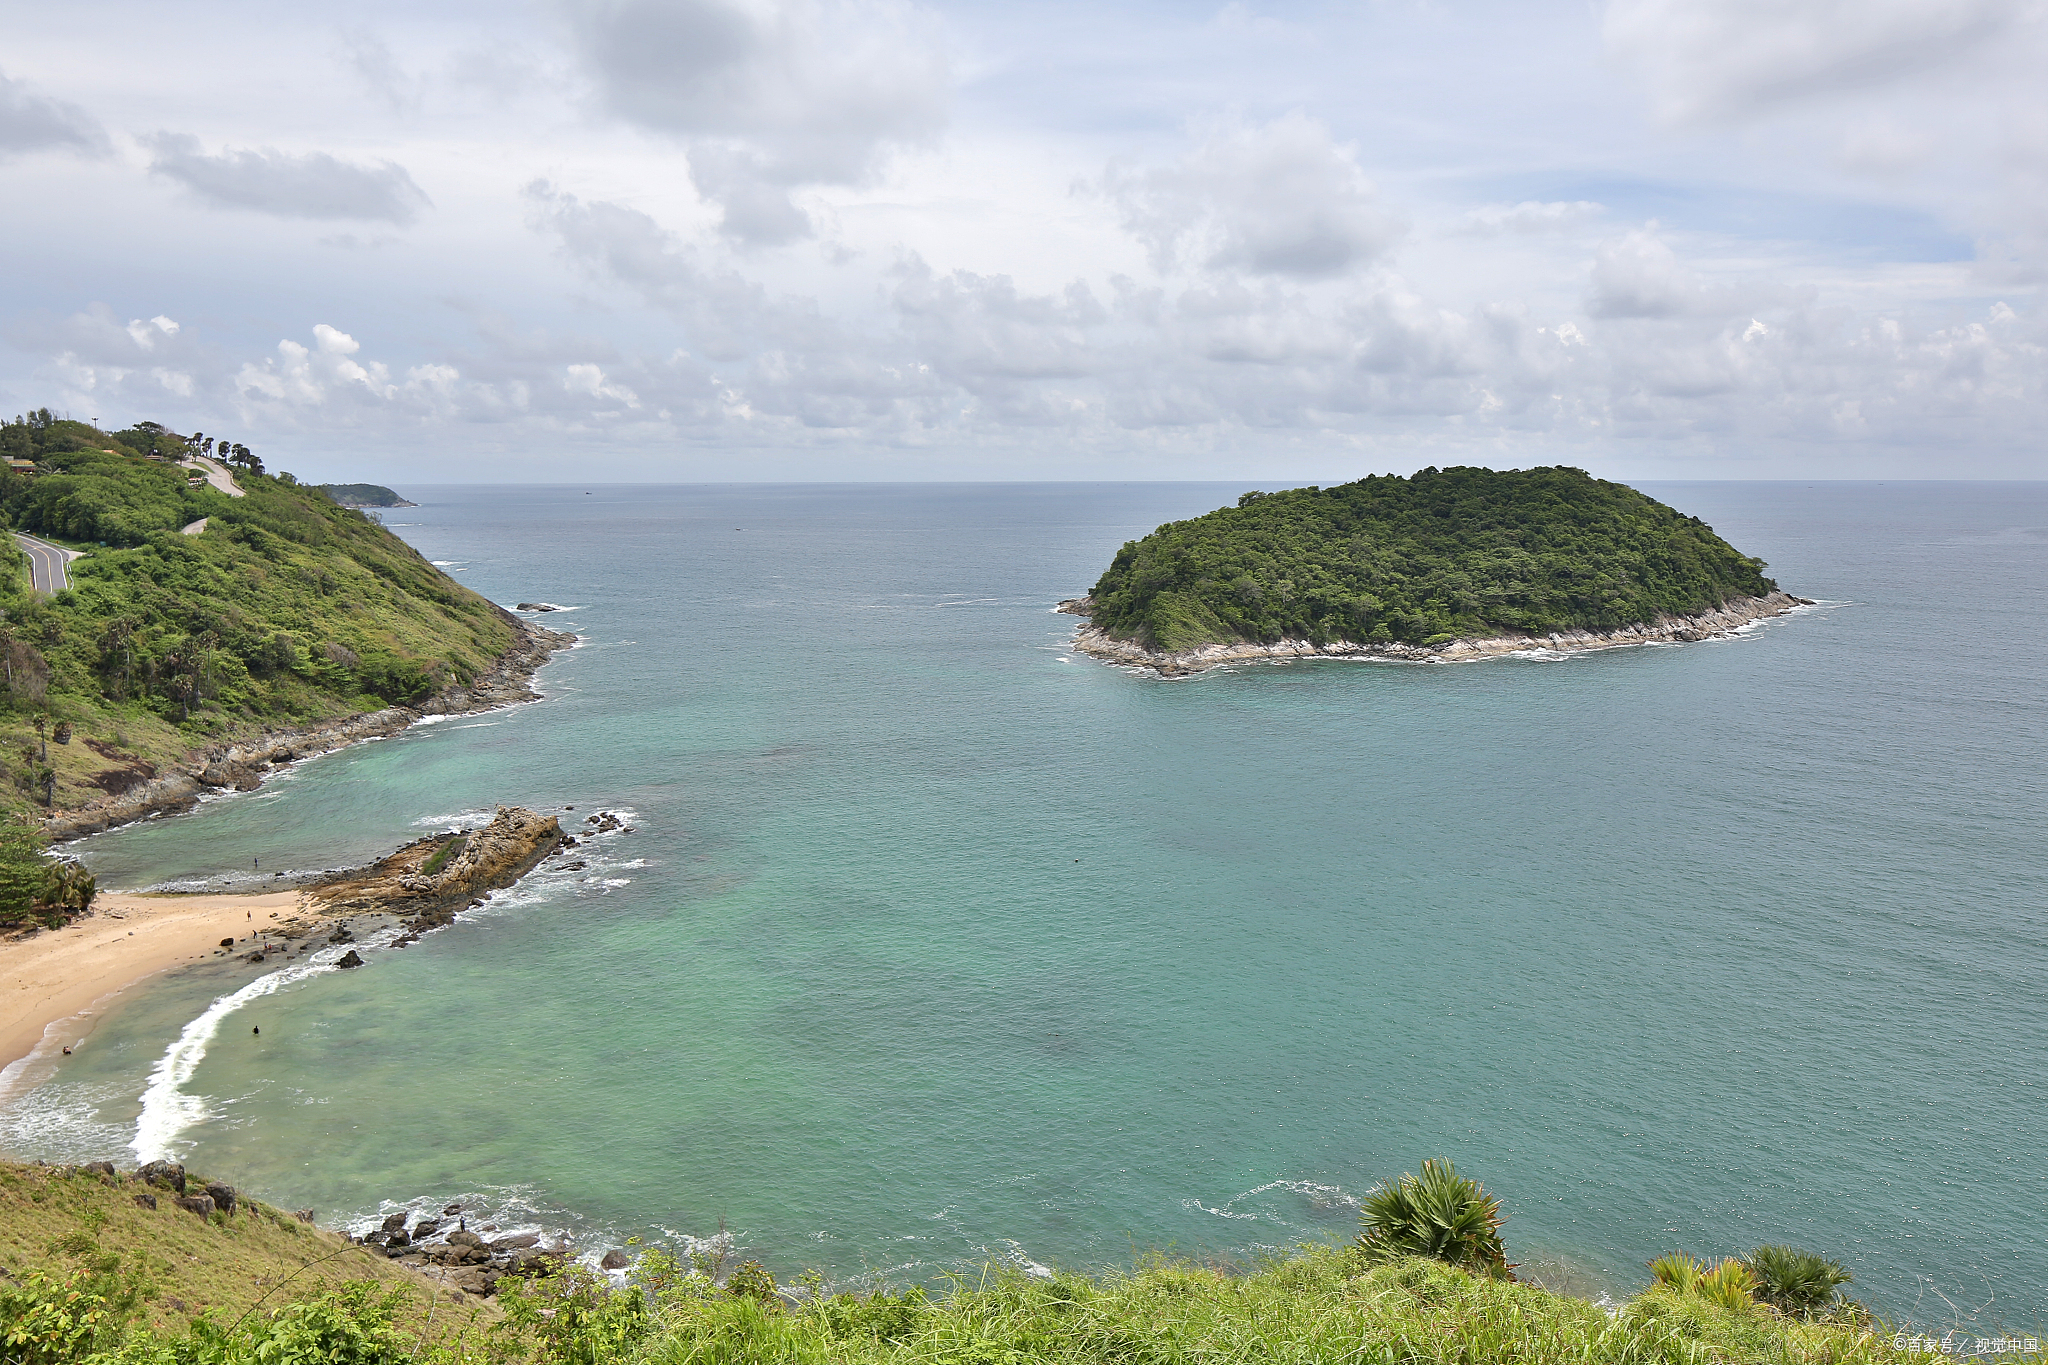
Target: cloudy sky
861, 239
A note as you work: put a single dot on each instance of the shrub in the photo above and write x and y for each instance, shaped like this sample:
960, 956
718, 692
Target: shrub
574, 1317
1795, 1281
1729, 1284
1439, 1214
54, 1322
1676, 1271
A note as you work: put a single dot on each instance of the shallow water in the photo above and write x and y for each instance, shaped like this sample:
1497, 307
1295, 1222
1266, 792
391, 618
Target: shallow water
935, 941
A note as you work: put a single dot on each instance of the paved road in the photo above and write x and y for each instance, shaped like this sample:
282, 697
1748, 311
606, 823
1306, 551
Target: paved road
47, 573
216, 474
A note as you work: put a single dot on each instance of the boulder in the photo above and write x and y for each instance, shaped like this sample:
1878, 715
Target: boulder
615, 1259
105, 1168
303, 1215
425, 1228
227, 943
396, 1222
452, 1209
223, 1196
352, 959
398, 1239
147, 1201
517, 1241
201, 1204
464, 1239
165, 1175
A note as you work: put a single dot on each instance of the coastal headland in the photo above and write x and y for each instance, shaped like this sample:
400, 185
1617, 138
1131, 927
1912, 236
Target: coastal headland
242, 763
1712, 623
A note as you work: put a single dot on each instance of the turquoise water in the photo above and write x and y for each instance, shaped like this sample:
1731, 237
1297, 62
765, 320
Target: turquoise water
934, 941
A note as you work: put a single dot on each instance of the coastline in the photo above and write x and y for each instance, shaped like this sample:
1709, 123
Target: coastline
242, 764
1716, 623
56, 976
51, 978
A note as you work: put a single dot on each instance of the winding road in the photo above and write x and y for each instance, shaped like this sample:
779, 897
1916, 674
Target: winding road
216, 474
48, 573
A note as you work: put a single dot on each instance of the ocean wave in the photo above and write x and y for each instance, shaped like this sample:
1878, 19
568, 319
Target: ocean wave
167, 1110
1321, 1198
460, 819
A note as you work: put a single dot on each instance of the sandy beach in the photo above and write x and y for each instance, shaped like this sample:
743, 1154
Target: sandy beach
51, 976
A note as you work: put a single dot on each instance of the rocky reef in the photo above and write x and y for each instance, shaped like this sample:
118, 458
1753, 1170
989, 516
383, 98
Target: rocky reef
443, 1248
429, 880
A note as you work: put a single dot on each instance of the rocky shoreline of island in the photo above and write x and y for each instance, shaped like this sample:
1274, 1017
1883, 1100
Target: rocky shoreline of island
1713, 623
242, 764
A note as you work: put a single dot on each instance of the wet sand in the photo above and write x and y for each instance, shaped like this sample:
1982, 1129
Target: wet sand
49, 977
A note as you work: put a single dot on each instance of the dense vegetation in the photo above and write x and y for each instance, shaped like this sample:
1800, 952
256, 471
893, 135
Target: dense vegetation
1422, 560
96, 1279
363, 495
285, 608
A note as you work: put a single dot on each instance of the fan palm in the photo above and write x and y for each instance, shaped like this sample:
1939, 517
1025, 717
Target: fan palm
1439, 1214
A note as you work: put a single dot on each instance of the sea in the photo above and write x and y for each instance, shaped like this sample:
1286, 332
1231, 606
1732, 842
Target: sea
931, 943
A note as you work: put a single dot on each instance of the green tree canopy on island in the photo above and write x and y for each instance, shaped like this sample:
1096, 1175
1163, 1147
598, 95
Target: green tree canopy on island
1443, 554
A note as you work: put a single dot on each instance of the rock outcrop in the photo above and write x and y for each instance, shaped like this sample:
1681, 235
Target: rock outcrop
1720, 621
427, 884
460, 1258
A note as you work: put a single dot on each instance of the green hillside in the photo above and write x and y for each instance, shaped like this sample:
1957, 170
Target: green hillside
1422, 560
88, 1276
67, 1229
285, 608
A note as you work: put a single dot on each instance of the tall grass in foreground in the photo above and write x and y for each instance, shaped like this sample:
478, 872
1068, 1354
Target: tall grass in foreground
1322, 1305
1319, 1305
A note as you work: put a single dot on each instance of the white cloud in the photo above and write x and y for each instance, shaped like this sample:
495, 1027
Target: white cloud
1638, 275
589, 379
769, 96
1739, 58
309, 185
34, 123
1280, 198
1527, 218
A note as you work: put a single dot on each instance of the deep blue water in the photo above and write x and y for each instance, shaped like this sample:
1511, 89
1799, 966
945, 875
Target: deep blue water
935, 941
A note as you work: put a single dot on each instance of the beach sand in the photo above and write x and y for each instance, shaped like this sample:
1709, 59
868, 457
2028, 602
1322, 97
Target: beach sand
50, 977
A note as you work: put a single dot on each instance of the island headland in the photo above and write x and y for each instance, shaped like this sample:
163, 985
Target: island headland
1444, 566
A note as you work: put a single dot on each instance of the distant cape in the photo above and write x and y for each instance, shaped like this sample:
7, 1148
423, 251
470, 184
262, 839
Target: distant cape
364, 495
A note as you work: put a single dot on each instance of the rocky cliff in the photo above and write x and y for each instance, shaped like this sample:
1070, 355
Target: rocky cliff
242, 764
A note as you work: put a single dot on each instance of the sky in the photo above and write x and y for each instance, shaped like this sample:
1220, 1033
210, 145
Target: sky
824, 240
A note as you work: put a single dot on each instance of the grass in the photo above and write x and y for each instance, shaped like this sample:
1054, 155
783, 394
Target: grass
443, 855
176, 1265
1319, 1305
1314, 1306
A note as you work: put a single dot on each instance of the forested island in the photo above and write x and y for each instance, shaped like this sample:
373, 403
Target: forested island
364, 495
1445, 562
201, 617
